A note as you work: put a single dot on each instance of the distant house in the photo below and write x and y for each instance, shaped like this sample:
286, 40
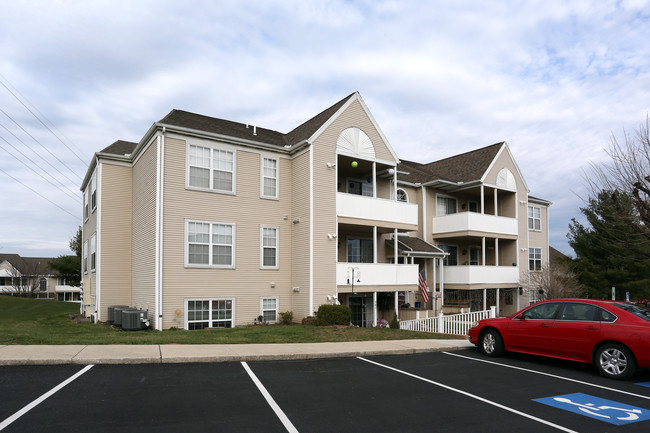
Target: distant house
207, 222
32, 276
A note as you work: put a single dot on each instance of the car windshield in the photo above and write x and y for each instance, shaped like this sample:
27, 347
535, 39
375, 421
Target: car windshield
637, 310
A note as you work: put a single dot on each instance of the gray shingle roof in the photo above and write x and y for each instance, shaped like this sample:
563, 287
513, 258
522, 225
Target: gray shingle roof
465, 167
120, 147
29, 265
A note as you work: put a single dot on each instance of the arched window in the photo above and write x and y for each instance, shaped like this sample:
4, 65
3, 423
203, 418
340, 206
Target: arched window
402, 195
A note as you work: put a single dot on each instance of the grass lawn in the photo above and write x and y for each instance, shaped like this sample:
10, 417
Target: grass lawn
34, 321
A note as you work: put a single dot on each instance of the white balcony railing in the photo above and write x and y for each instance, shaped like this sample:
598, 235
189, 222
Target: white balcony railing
472, 221
379, 274
376, 209
481, 274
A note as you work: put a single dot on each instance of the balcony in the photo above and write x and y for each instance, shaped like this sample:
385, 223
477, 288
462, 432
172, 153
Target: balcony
464, 222
377, 274
376, 209
481, 275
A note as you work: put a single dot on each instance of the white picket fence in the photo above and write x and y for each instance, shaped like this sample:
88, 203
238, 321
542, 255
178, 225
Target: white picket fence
457, 324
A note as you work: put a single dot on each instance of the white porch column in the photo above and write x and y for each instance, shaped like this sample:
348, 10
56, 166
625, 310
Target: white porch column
397, 305
498, 301
374, 180
374, 309
374, 245
496, 204
395, 250
482, 199
485, 299
496, 252
442, 284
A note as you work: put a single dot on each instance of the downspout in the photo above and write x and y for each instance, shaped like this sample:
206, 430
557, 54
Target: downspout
311, 229
98, 267
162, 218
424, 213
157, 241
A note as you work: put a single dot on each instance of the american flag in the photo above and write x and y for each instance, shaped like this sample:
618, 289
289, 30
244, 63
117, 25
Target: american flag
422, 283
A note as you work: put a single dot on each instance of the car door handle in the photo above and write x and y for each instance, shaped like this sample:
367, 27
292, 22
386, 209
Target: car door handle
543, 325
592, 328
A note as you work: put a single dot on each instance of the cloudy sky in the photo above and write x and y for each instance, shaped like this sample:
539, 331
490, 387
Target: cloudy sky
553, 79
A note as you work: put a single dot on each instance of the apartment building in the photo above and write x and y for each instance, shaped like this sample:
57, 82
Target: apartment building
33, 277
210, 223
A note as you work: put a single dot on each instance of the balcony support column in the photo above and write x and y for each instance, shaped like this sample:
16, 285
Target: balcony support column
374, 309
485, 307
482, 199
395, 249
374, 244
498, 301
374, 180
483, 250
397, 305
496, 204
496, 254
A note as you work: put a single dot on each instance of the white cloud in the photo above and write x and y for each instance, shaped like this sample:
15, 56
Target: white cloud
554, 79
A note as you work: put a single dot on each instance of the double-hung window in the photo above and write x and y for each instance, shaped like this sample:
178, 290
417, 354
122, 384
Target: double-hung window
269, 309
534, 218
445, 205
360, 250
93, 252
85, 258
269, 246
86, 203
535, 259
269, 177
211, 169
210, 244
93, 192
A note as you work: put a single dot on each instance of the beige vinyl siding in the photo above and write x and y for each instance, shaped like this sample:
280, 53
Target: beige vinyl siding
300, 236
246, 283
144, 231
115, 237
89, 279
355, 115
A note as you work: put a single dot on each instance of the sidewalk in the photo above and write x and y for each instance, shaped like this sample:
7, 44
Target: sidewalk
180, 353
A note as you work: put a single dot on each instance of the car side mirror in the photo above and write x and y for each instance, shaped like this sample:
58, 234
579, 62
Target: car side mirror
521, 316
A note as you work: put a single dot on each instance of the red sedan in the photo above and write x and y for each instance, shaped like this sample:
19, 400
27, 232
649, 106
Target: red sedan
614, 336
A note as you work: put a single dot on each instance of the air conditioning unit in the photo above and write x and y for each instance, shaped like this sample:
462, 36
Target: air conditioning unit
134, 320
117, 314
111, 312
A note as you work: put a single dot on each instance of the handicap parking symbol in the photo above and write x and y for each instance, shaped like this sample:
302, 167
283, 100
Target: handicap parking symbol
597, 408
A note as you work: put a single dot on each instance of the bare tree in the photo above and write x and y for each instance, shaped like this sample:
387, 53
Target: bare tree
627, 176
555, 281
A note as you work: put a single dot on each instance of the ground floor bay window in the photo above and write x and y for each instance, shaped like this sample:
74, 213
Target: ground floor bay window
209, 313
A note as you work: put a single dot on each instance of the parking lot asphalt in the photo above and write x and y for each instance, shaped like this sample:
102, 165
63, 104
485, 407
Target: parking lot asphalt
452, 391
187, 353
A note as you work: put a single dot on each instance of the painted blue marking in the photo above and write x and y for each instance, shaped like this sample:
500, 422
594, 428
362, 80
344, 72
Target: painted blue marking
646, 384
597, 408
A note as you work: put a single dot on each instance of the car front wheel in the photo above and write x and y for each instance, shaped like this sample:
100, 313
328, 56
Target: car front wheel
491, 343
615, 361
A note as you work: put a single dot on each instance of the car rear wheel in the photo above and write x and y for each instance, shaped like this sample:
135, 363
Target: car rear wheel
615, 361
491, 343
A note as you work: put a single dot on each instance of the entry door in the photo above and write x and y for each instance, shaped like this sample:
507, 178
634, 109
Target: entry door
358, 311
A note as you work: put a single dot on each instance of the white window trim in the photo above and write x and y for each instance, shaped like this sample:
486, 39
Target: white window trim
277, 177
541, 259
277, 307
187, 300
446, 196
277, 247
87, 203
93, 251
93, 193
210, 265
529, 218
85, 258
212, 148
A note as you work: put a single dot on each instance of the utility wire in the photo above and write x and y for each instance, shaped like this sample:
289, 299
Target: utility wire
41, 195
45, 148
72, 194
41, 156
37, 118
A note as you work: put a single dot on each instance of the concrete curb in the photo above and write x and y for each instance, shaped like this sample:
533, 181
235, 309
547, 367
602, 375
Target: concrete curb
180, 353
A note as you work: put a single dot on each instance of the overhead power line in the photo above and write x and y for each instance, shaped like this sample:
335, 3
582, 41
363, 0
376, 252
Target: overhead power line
36, 117
41, 195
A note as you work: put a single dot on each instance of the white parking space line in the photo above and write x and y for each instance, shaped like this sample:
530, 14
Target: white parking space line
509, 409
549, 374
280, 414
42, 398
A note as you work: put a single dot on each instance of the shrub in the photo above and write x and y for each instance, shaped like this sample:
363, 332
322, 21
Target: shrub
286, 318
333, 315
310, 321
394, 324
